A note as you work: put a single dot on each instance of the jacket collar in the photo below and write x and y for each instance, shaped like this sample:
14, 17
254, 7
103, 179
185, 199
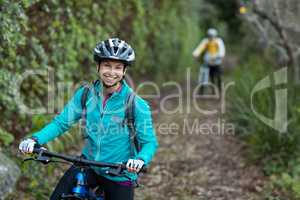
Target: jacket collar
98, 86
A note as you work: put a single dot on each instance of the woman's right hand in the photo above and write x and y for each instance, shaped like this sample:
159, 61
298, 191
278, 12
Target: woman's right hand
27, 146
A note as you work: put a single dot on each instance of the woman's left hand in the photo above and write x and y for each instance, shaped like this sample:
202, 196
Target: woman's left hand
134, 165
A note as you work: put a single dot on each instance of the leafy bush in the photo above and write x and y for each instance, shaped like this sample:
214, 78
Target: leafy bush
266, 141
285, 183
5, 137
278, 152
58, 36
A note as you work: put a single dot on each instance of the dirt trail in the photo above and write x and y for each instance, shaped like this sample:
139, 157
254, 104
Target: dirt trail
197, 165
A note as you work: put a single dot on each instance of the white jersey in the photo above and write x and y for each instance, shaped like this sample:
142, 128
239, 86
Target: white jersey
213, 49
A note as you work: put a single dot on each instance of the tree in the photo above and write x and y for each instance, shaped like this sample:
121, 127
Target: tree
277, 25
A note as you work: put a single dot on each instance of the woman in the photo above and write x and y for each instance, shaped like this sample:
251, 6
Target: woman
108, 139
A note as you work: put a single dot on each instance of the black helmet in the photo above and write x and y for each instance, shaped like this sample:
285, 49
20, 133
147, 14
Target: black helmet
114, 49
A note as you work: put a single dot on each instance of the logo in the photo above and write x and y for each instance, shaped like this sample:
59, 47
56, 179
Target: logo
280, 121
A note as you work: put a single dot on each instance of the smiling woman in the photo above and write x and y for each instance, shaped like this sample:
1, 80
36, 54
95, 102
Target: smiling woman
111, 73
105, 144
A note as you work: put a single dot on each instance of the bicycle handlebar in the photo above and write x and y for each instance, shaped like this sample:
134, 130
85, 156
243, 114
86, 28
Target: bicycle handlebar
78, 160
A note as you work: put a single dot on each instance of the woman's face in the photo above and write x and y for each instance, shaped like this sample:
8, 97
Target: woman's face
111, 72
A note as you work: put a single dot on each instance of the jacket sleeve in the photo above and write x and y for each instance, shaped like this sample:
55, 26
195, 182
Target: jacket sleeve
221, 45
145, 132
63, 121
200, 48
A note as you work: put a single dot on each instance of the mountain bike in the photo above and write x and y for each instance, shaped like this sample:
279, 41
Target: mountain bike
81, 190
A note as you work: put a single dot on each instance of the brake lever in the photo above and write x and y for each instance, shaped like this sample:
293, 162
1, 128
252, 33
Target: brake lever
43, 159
28, 159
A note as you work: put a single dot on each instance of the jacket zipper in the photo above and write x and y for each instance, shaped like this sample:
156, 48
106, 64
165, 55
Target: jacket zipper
102, 109
101, 118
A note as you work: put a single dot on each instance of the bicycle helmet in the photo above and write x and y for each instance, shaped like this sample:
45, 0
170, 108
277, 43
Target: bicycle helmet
211, 32
114, 49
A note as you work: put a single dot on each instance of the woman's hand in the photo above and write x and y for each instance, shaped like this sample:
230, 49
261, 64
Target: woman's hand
27, 146
134, 165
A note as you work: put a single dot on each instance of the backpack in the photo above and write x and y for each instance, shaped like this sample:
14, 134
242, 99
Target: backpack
128, 119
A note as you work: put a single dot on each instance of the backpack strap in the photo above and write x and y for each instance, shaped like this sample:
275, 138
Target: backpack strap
84, 110
129, 121
84, 96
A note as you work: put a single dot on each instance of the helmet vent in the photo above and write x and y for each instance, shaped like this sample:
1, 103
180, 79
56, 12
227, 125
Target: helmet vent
115, 50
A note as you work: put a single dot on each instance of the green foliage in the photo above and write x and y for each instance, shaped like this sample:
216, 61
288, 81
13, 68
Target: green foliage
38, 180
276, 151
286, 181
5, 137
265, 140
55, 39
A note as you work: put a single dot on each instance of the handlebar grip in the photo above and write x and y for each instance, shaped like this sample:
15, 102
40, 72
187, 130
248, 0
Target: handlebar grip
36, 150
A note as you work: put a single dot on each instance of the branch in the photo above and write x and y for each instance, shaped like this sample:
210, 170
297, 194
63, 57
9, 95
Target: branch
279, 29
253, 19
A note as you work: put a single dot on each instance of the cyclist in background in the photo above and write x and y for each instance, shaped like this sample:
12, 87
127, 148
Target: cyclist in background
108, 138
213, 50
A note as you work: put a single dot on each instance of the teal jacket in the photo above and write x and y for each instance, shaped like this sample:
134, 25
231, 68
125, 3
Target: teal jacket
108, 139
